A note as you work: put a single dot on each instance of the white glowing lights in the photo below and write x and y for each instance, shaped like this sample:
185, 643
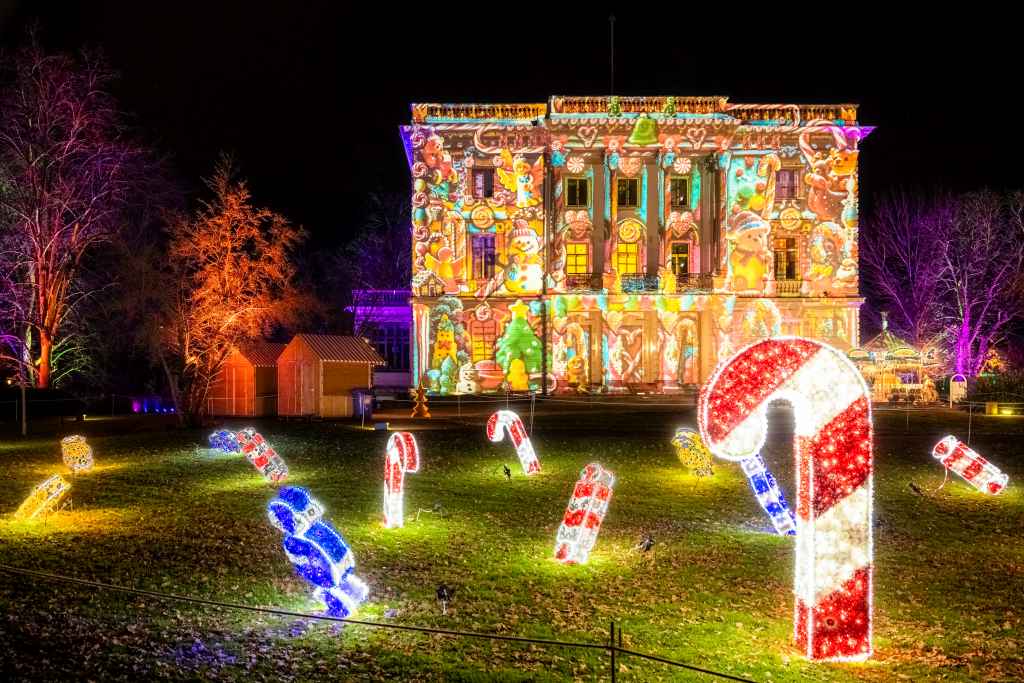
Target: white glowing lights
504, 420
584, 514
402, 456
832, 446
76, 453
44, 498
957, 456
317, 551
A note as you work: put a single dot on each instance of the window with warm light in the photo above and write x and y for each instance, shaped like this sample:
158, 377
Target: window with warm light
628, 192
679, 258
626, 258
577, 258
577, 193
679, 191
785, 258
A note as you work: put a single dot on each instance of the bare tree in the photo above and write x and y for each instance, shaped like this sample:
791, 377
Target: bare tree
232, 275
66, 164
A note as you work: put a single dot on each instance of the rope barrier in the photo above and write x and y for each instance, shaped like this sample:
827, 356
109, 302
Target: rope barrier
360, 622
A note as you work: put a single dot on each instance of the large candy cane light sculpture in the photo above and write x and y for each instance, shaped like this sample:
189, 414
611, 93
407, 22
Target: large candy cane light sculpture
317, 551
504, 420
44, 497
402, 456
76, 453
955, 455
832, 444
261, 455
584, 514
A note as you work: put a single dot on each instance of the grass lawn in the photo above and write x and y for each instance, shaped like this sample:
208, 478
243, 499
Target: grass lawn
162, 512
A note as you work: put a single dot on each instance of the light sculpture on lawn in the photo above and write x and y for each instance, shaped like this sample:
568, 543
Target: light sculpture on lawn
224, 440
402, 456
317, 551
44, 497
957, 456
76, 453
832, 446
584, 514
504, 420
692, 452
264, 458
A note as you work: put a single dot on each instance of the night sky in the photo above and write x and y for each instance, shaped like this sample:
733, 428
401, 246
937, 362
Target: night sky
308, 95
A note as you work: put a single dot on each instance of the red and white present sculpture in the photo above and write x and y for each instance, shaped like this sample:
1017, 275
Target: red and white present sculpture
832, 444
402, 456
957, 456
262, 456
584, 514
504, 420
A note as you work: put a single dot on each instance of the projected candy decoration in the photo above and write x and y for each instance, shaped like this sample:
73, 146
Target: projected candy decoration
44, 497
76, 453
832, 446
225, 441
507, 420
402, 456
584, 514
692, 452
261, 455
317, 551
957, 456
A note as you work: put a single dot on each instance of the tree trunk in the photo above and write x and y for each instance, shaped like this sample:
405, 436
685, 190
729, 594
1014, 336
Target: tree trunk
45, 351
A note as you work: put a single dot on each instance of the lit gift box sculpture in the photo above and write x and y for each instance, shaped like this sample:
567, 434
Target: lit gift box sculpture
44, 497
504, 420
402, 456
957, 456
832, 446
584, 514
76, 453
224, 440
692, 452
261, 455
317, 551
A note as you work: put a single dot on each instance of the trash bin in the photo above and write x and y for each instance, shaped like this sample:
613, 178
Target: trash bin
362, 403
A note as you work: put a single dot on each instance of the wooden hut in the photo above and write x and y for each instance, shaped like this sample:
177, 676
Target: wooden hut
247, 384
316, 374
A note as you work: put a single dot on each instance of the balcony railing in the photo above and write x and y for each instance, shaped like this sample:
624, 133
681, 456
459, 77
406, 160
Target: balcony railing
635, 284
583, 281
693, 282
787, 287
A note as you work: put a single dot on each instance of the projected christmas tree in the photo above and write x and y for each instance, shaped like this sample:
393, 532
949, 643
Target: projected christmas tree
519, 342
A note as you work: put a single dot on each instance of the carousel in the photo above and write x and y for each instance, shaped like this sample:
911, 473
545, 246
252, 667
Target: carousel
894, 369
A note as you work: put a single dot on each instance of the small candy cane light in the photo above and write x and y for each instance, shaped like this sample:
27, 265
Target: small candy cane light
504, 420
402, 456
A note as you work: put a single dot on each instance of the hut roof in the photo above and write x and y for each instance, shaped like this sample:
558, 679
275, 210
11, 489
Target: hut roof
263, 354
340, 348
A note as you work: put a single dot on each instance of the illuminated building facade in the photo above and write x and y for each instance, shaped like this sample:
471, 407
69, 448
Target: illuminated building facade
625, 244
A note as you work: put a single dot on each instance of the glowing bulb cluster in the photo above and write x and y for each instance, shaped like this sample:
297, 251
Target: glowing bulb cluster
76, 453
44, 498
583, 516
317, 551
504, 420
402, 456
692, 452
957, 456
832, 446
264, 458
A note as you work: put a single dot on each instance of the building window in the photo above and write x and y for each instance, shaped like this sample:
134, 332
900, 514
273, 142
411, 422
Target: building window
679, 191
787, 183
679, 259
577, 193
392, 343
626, 262
483, 256
483, 183
484, 334
577, 258
628, 192
785, 258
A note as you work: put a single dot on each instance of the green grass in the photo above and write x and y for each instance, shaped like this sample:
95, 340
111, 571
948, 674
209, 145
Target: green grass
161, 512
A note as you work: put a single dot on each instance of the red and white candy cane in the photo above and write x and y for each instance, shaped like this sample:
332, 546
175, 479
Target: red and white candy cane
402, 456
507, 420
955, 455
832, 445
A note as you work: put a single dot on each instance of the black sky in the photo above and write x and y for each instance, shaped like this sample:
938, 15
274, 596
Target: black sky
308, 95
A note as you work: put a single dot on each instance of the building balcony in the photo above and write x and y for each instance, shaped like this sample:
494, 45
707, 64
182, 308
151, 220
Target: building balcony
589, 281
640, 284
694, 282
788, 287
